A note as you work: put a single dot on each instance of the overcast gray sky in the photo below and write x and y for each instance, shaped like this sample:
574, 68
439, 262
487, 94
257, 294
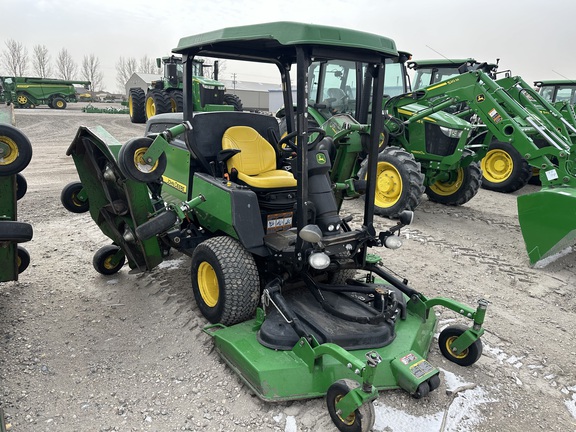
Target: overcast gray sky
534, 39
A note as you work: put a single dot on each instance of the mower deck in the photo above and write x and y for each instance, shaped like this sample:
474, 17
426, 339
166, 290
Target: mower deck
277, 374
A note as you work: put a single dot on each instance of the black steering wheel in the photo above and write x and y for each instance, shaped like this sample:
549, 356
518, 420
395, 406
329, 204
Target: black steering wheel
287, 139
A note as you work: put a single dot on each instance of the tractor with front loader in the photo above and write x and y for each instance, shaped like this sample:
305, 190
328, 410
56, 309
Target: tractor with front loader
165, 95
298, 304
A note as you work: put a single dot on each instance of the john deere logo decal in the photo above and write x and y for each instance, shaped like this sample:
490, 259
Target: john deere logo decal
480, 98
321, 158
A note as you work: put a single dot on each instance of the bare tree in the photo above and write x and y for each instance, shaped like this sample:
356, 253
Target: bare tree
125, 67
147, 65
15, 58
91, 72
41, 61
65, 65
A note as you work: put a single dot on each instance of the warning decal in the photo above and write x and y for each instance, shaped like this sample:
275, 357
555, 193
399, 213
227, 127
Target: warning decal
496, 118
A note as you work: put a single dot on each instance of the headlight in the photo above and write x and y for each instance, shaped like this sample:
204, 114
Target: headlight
319, 260
393, 242
451, 133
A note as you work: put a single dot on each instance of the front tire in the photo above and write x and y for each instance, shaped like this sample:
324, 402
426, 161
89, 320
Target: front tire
157, 102
176, 100
504, 169
58, 103
225, 281
361, 420
460, 188
399, 182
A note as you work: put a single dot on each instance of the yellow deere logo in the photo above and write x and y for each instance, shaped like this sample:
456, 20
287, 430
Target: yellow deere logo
321, 158
480, 98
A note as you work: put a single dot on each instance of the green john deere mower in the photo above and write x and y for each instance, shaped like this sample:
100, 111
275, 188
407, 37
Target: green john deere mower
15, 155
298, 306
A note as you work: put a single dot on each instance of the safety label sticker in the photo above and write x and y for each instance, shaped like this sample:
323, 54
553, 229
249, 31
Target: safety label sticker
278, 222
497, 118
421, 368
407, 359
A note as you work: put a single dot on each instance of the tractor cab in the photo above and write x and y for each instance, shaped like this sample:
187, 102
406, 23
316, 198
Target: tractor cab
553, 91
428, 72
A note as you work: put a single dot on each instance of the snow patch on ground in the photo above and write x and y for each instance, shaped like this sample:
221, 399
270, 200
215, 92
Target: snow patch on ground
171, 264
462, 414
571, 405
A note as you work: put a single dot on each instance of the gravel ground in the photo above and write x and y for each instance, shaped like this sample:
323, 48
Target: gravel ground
84, 352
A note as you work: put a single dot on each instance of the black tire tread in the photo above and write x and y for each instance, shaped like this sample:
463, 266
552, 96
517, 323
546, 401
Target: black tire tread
468, 190
241, 278
14, 231
407, 163
138, 114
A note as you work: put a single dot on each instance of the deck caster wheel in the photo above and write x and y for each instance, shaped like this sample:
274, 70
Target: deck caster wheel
133, 165
72, 200
22, 259
108, 260
361, 420
467, 357
434, 382
422, 390
15, 150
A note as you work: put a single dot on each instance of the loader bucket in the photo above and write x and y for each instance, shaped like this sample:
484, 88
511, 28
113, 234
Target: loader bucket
548, 222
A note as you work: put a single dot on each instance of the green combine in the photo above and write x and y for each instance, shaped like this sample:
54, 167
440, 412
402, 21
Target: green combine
297, 305
165, 95
29, 92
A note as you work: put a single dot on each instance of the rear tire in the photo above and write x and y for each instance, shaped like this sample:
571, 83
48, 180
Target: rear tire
399, 182
232, 99
225, 281
58, 103
461, 188
504, 169
136, 105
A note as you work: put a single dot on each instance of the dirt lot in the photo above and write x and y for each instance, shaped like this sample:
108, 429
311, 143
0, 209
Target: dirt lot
84, 352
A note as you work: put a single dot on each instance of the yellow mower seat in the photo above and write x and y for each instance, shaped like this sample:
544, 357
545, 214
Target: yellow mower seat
256, 161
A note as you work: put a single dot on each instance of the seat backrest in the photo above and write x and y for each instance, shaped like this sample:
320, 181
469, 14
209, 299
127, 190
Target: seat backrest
256, 154
209, 128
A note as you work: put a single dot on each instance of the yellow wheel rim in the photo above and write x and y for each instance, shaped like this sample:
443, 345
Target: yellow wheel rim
208, 284
22, 100
173, 105
108, 265
449, 343
150, 107
388, 185
450, 187
10, 150
130, 106
59, 104
497, 166
140, 163
351, 417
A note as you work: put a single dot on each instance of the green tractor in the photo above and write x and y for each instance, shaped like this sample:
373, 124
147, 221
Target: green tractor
29, 92
561, 94
15, 155
504, 168
165, 95
298, 306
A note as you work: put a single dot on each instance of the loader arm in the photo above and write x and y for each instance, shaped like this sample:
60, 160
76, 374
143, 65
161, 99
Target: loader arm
544, 143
